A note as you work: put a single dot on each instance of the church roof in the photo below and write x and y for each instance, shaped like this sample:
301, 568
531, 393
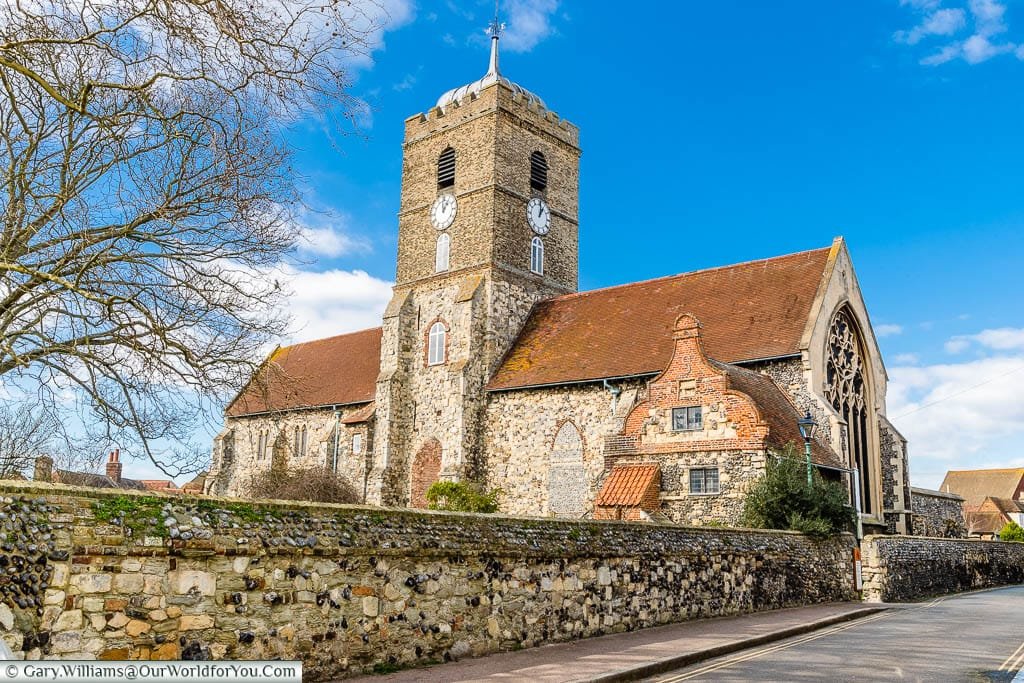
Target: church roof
778, 411
750, 311
339, 370
976, 485
492, 76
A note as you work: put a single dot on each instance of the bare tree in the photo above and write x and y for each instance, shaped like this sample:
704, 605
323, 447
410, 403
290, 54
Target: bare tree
25, 434
146, 194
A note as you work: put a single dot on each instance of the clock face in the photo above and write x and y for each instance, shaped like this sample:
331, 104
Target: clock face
538, 215
442, 213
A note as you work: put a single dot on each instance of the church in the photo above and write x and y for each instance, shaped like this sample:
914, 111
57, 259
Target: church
658, 400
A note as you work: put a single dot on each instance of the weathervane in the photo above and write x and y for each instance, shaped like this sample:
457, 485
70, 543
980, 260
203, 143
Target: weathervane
496, 26
494, 31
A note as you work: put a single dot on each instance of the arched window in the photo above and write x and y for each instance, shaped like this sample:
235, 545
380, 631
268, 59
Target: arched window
436, 342
846, 377
538, 171
537, 256
441, 256
446, 168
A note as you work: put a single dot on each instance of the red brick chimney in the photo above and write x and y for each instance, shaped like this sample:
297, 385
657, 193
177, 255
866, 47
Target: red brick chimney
114, 466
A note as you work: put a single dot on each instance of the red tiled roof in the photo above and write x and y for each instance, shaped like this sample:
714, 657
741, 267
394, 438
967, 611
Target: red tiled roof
338, 370
750, 311
778, 411
976, 485
626, 485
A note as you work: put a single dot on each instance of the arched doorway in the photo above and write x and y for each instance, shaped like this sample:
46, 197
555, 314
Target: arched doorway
567, 478
848, 390
426, 467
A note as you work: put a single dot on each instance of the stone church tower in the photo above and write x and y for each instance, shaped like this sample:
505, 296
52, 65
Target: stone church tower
487, 227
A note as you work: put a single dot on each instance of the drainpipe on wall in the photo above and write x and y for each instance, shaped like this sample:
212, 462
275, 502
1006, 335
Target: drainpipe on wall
614, 391
337, 437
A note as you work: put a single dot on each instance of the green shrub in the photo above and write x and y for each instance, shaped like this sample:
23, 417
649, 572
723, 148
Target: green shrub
1012, 532
781, 499
457, 496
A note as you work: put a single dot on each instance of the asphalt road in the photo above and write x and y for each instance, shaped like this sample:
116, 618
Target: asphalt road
970, 637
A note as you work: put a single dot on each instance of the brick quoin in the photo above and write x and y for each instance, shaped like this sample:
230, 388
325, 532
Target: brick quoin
425, 470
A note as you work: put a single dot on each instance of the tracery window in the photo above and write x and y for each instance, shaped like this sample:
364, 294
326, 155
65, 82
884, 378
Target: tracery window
846, 375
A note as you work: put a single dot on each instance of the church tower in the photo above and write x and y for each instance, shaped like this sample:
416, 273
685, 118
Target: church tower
488, 226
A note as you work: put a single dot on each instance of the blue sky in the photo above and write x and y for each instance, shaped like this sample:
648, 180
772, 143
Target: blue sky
714, 133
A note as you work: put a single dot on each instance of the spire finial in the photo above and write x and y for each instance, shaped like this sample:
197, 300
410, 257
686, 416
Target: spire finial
495, 32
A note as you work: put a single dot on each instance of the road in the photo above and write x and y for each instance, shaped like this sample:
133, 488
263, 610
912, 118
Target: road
970, 637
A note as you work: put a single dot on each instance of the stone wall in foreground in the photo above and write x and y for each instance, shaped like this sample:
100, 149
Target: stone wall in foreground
900, 568
113, 575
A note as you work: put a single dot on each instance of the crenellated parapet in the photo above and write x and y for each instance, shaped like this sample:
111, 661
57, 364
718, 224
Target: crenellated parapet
495, 96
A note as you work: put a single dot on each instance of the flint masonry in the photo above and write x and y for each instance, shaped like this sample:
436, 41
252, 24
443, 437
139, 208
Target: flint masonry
653, 400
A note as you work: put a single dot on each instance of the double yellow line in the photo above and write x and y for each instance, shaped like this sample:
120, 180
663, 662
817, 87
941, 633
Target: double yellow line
1014, 661
806, 639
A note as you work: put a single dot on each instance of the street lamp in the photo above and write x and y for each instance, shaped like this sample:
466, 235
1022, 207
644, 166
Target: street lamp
807, 425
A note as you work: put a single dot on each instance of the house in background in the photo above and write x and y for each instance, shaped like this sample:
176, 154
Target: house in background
992, 498
44, 471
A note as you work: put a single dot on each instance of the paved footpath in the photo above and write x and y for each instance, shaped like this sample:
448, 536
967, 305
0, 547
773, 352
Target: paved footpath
630, 656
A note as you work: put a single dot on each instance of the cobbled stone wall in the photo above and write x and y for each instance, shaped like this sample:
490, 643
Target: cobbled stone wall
111, 575
900, 568
936, 513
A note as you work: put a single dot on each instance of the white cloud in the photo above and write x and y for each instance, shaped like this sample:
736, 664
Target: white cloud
959, 415
943, 22
996, 339
987, 20
956, 345
1002, 338
528, 22
906, 359
888, 330
329, 241
405, 84
324, 304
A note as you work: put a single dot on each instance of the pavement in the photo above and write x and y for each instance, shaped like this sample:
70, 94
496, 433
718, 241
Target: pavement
638, 654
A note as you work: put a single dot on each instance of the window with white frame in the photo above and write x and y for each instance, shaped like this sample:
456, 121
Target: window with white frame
357, 444
537, 256
704, 480
261, 442
302, 444
441, 256
436, 344
687, 419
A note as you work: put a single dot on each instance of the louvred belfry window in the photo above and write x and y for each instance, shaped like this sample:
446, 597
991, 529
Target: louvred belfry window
846, 389
446, 168
538, 171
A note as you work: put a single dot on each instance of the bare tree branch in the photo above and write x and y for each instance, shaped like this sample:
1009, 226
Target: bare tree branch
146, 194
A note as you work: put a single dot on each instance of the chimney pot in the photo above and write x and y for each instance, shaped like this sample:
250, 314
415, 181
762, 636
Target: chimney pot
114, 466
43, 470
